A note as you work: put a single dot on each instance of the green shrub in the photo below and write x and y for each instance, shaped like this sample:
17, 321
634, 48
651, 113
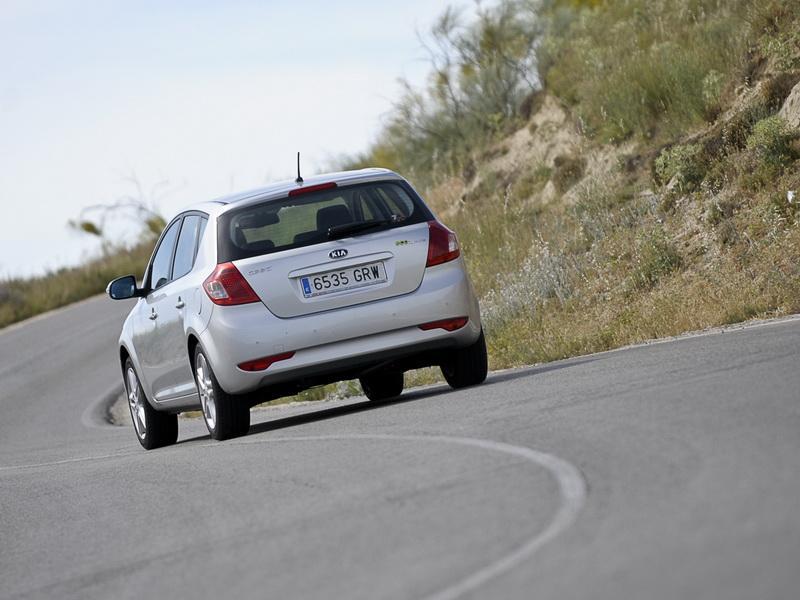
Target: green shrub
771, 140
656, 256
532, 182
783, 48
567, 171
681, 163
736, 130
770, 151
720, 209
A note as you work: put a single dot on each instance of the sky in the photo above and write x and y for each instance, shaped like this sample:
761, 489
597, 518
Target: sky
196, 99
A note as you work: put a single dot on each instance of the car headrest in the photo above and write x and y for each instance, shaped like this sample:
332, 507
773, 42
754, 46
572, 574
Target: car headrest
261, 246
257, 219
239, 239
309, 237
330, 216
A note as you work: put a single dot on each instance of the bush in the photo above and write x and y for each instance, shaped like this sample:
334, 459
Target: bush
640, 67
568, 170
532, 182
481, 78
771, 141
735, 132
656, 256
605, 206
544, 275
770, 151
783, 48
683, 164
719, 209
783, 207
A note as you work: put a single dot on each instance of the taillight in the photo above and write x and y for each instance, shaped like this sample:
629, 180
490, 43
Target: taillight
442, 244
227, 287
446, 324
262, 364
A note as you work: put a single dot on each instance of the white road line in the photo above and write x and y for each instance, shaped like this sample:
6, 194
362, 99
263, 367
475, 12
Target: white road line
67, 461
571, 484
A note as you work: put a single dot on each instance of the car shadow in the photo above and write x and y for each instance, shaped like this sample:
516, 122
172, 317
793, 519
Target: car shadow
521, 372
411, 396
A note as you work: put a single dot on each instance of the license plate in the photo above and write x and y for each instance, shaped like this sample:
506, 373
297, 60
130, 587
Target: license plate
343, 279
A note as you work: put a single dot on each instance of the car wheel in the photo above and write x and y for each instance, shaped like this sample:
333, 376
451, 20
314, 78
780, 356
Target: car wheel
382, 386
467, 366
226, 416
153, 428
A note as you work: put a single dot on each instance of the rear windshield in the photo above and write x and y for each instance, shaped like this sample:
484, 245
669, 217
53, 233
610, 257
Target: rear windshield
309, 219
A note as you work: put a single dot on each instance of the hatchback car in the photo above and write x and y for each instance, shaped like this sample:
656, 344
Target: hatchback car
266, 293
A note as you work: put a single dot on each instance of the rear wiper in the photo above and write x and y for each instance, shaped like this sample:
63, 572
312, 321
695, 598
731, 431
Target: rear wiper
338, 232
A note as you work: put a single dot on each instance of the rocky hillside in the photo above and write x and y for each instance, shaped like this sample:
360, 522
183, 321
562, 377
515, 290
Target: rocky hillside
606, 216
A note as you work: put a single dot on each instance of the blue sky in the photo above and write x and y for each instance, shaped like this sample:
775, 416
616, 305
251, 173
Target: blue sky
212, 96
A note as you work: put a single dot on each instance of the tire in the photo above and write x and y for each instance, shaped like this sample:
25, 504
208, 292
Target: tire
467, 366
382, 386
226, 416
154, 429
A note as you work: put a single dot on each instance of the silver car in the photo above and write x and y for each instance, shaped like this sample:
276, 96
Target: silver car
266, 293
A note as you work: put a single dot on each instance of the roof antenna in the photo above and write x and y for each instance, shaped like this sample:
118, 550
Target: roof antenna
299, 179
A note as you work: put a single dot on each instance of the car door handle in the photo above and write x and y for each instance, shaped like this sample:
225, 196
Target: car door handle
153, 315
180, 303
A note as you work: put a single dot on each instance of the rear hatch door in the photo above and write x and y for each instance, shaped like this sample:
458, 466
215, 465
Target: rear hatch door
339, 273
297, 270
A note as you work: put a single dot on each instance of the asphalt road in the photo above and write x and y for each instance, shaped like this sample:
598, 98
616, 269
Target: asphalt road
666, 471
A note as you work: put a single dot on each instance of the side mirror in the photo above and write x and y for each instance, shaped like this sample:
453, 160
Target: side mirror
123, 288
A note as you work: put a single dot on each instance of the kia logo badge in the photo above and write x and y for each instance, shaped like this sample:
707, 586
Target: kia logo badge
340, 253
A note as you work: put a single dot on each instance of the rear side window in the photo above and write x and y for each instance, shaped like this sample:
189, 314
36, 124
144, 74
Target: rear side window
203, 223
305, 220
187, 243
162, 261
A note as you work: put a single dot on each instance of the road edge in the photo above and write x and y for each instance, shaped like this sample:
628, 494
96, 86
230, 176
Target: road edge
101, 412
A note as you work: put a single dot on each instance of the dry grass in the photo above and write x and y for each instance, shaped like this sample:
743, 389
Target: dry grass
644, 67
651, 276
24, 298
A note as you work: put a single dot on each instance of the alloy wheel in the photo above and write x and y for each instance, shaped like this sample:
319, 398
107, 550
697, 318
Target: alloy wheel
135, 403
205, 388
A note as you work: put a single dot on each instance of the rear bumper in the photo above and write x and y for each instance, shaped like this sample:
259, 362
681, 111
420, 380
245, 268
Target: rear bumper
341, 340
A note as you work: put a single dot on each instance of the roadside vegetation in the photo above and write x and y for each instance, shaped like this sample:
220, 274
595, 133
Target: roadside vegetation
616, 170
22, 298
639, 189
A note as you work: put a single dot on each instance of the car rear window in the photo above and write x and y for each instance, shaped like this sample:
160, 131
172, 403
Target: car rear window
304, 220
